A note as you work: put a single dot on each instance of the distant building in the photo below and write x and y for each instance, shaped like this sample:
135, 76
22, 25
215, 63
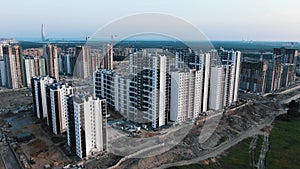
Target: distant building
283, 68
269, 75
51, 56
254, 76
14, 69
39, 66
95, 60
43, 33
57, 109
33, 52
40, 101
33, 66
3, 69
67, 61
29, 69
108, 58
86, 117
82, 54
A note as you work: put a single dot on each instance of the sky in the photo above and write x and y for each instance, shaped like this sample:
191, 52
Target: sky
257, 20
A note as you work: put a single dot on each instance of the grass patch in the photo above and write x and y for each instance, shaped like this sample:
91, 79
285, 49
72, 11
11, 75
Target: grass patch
284, 145
238, 156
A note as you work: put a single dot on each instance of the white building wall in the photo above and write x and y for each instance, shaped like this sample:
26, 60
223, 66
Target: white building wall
162, 90
29, 70
185, 95
175, 112
237, 75
62, 91
43, 84
179, 96
216, 92
198, 93
90, 119
44, 81
206, 82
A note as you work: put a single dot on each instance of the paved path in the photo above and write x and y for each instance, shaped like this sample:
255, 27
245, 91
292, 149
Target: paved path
8, 158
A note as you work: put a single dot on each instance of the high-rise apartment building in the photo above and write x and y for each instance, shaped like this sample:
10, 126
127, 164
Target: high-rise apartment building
216, 91
254, 75
82, 54
150, 89
33, 66
270, 74
104, 85
67, 60
282, 68
206, 78
86, 118
29, 69
40, 101
3, 70
39, 66
186, 94
13, 60
231, 61
51, 56
57, 110
155, 89
108, 58
121, 86
95, 60
148, 81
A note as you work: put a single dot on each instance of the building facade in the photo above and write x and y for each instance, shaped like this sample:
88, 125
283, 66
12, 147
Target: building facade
82, 54
186, 95
108, 58
3, 78
271, 74
155, 89
86, 119
51, 57
57, 111
40, 101
14, 68
29, 69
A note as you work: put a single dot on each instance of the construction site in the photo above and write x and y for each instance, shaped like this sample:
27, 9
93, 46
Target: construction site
27, 141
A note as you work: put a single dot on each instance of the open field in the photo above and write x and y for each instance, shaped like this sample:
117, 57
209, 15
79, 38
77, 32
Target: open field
284, 145
13, 99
